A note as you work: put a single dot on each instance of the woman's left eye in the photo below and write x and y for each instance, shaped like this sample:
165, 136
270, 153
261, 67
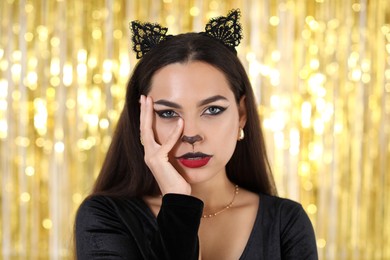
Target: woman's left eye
214, 110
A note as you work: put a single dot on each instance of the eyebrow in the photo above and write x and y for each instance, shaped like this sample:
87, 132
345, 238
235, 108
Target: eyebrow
200, 103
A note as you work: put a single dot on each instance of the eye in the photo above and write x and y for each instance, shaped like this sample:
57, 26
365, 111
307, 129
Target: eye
214, 110
167, 114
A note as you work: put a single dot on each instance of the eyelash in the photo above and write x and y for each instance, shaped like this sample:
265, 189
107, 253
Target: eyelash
221, 109
163, 113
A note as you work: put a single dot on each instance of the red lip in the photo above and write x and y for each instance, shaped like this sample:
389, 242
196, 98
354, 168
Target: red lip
195, 162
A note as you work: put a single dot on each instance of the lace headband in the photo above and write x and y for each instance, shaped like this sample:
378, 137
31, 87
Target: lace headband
226, 30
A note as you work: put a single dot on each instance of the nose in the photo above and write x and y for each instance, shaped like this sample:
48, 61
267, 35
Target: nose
191, 131
191, 139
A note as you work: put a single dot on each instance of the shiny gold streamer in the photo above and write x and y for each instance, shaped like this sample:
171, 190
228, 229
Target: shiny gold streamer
320, 70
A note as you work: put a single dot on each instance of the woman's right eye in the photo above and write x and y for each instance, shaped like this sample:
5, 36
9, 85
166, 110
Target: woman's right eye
167, 114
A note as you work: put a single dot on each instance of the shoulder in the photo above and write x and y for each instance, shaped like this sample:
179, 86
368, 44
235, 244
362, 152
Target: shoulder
296, 232
109, 226
103, 202
95, 205
281, 207
288, 213
96, 210
95, 201
277, 201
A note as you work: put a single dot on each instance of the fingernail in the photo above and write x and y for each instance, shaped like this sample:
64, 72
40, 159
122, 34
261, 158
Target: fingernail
149, 100
180, 121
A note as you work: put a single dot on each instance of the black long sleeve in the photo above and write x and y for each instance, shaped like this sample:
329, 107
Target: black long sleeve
282, 231
108, 228
298, 239
125, 228
178, 222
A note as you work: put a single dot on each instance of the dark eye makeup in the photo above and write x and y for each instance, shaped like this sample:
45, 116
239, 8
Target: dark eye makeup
209, 111
166, 113
214, 110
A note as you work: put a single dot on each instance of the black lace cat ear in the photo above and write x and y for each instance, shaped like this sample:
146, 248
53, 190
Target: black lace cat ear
146, 36
226, 29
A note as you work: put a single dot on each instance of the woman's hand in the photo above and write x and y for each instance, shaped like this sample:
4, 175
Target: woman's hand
156, 155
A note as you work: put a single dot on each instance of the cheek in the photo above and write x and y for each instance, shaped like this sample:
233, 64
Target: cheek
228, 134
223, 132
161, 129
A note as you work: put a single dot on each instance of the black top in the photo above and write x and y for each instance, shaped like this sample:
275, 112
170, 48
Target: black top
114, 228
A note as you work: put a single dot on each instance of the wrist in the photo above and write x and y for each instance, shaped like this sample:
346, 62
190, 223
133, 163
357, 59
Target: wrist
177, 190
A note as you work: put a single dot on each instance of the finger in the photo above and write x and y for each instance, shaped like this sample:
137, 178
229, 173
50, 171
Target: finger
142, 112
147, 130
173, 137
141, 117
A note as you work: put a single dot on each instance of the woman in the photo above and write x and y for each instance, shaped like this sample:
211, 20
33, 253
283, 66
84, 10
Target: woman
186, 175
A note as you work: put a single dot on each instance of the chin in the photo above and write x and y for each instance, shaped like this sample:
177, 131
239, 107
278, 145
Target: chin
194, 176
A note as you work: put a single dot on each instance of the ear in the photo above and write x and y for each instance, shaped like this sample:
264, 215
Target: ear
242, 112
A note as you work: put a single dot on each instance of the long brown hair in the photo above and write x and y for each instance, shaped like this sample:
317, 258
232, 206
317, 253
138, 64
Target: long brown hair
124, 172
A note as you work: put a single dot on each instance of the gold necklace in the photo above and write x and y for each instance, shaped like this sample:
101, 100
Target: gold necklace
228, 206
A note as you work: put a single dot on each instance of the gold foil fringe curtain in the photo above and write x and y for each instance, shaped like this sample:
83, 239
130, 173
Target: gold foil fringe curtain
320, 70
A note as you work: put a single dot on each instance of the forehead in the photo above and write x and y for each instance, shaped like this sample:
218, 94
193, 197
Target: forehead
192, 80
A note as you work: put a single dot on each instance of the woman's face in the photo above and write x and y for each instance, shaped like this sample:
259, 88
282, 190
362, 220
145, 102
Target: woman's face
199, 94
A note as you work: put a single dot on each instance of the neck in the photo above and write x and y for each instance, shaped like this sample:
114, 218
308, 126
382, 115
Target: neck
214, 194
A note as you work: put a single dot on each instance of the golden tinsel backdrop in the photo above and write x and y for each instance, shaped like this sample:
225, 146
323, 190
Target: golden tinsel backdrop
320, 70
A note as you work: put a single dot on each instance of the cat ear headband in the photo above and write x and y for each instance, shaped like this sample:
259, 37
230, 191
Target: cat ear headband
226, 30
